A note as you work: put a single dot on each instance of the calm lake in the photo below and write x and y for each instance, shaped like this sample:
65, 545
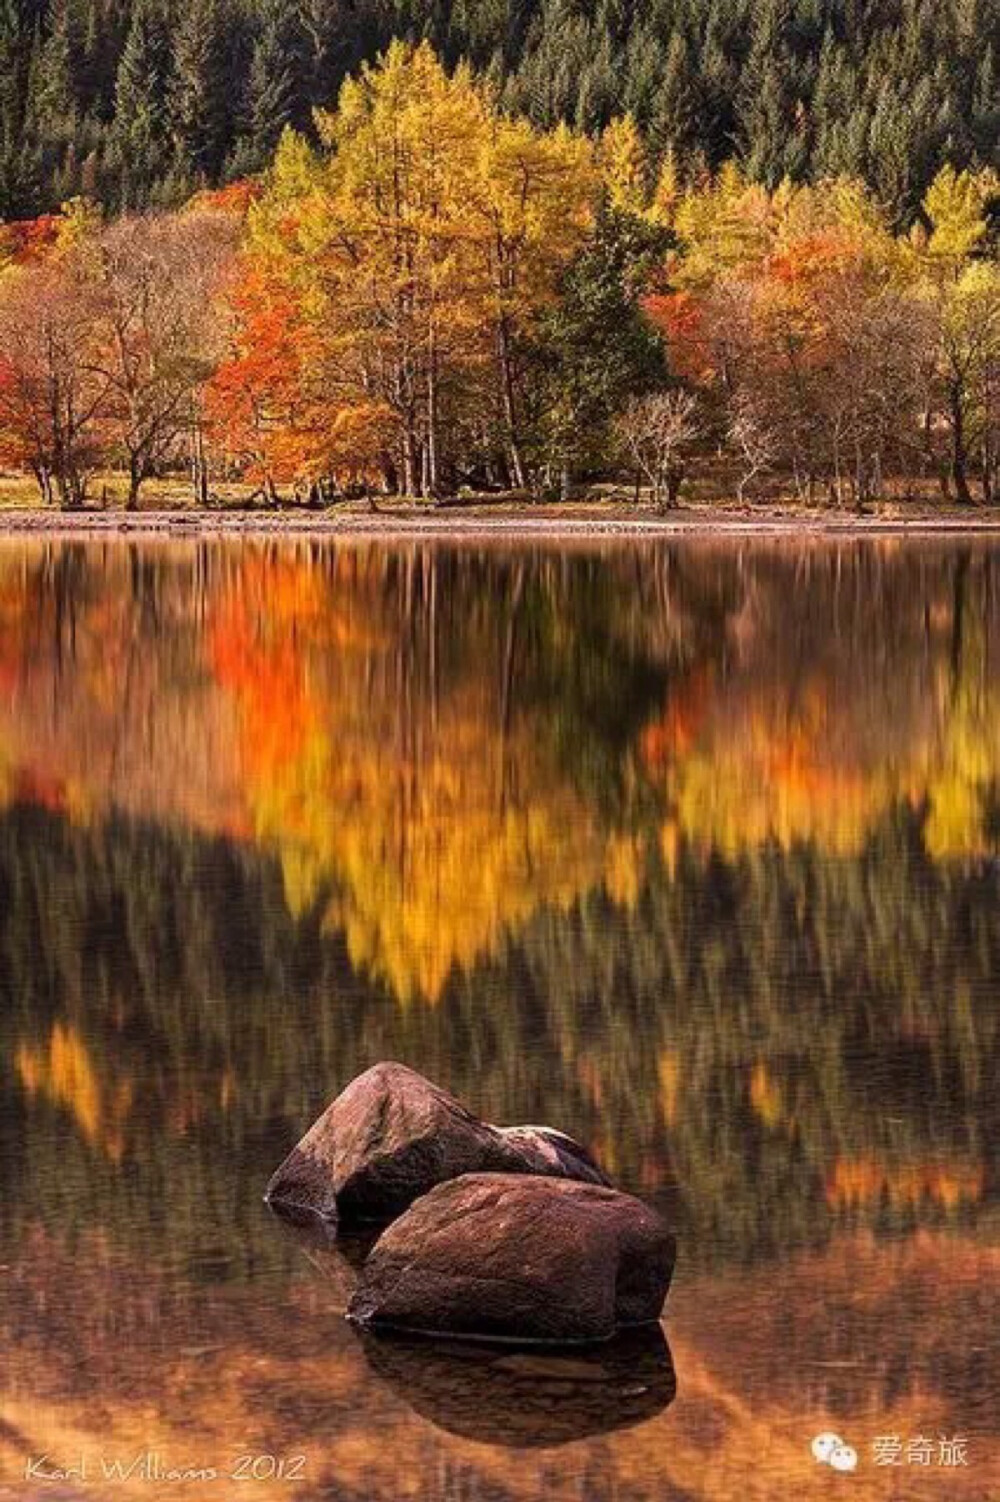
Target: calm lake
691, 850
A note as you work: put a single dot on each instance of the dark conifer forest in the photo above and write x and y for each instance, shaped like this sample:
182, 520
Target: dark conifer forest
139, 102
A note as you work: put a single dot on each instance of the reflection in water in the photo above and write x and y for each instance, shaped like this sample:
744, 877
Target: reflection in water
527, 1398
689, 850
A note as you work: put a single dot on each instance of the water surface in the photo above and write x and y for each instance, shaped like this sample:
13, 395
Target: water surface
688, 849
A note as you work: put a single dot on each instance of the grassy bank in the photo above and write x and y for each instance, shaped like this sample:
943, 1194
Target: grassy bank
167, 507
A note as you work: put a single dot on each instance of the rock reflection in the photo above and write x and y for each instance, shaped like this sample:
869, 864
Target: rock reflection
524, 1398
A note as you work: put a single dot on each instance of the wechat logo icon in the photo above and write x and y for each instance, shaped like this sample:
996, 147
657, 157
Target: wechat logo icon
830, 1449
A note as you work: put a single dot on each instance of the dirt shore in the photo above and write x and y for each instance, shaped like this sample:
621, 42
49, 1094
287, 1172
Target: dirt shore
485, 522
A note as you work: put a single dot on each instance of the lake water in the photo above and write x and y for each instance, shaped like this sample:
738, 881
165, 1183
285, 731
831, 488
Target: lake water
690, 850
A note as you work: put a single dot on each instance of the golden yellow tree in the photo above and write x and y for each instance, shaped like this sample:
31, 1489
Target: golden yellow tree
405, 264
960, 287
389, 234
534, 203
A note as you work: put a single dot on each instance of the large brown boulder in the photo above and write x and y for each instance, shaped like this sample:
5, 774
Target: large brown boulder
507, 1257
392, 1135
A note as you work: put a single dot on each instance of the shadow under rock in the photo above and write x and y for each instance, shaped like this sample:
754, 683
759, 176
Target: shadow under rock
338, 1258
522, 1397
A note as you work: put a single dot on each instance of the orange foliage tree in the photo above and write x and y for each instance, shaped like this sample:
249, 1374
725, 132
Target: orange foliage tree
51, 396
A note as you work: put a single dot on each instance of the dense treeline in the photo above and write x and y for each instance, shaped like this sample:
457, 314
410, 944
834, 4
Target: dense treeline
140, 101
439, 294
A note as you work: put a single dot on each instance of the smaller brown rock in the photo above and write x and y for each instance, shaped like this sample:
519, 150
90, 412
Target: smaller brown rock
391, 1135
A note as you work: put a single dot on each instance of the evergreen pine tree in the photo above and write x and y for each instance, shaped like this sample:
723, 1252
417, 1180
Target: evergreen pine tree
139, 143
275, 96
104, 26
598, 349
598, 90
674, 120
52, 122
328, 53
200, 92
766, 125
12, 81
984, 114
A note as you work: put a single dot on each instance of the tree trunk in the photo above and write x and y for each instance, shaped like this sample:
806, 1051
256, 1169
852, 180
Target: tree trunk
134, 485
432, 467
959, 458
409, 461
565, 482
44, 483
199, 467
509, 405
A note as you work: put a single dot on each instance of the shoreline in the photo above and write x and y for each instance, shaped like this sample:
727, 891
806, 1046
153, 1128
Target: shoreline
485, 523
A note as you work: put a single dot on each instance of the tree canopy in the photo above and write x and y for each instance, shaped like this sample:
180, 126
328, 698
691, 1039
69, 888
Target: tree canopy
424, 288
142, 100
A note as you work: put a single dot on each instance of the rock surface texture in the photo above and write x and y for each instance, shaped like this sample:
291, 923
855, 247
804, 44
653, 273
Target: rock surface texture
515, 1258
391, 1136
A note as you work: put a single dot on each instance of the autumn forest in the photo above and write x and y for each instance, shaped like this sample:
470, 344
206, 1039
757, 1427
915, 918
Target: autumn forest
426, 286
500, 576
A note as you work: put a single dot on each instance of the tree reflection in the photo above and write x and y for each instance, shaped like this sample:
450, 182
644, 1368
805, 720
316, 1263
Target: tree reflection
688, 850
597, 838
